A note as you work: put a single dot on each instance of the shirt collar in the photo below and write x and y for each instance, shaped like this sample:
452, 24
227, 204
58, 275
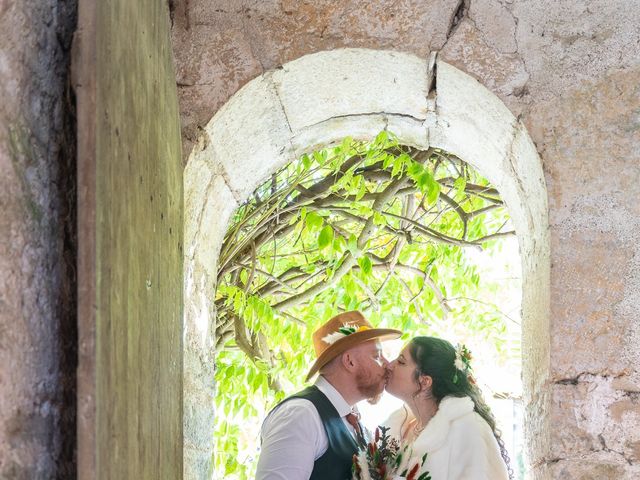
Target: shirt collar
336, 399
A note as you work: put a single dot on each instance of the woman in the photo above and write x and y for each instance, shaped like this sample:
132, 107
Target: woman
444, 414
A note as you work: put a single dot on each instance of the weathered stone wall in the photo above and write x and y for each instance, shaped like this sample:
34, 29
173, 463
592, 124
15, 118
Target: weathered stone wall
37, 241
569, 70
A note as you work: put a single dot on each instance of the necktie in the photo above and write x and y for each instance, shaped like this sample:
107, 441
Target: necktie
353, 419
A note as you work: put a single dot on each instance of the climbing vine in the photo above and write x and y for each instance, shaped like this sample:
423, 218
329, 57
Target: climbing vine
375, 226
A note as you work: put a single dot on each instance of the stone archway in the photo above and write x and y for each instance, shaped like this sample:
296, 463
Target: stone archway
315, 101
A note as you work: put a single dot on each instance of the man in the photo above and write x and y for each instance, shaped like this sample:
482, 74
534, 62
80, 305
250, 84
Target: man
313, 434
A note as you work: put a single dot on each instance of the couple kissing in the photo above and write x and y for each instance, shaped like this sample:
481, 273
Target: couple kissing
444, 431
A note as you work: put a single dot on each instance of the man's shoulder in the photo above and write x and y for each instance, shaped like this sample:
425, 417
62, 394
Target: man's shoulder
298, 412
295, 404
293, 407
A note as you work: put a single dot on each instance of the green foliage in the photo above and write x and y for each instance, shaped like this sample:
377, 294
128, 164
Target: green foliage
373, 226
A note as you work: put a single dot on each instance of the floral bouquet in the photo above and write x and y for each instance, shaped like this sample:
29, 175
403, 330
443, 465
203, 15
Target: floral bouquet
381, 460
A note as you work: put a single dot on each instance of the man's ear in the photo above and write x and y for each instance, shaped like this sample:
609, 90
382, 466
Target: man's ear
348, 361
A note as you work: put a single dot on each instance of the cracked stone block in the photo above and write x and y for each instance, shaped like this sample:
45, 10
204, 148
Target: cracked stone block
580, 416
501, 72
250, 133
209, 221
281, 31
199, 371
595, 417
564, 44
495, 23
411, 132
197, 182
472, 123
343, 82
593, 467
527, 169
582, 322
626, 384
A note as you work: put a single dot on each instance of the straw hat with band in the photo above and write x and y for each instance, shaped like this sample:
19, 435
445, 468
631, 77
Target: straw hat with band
343, 332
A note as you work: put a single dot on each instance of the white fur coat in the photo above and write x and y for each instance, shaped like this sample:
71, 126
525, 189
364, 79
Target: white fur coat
459, 443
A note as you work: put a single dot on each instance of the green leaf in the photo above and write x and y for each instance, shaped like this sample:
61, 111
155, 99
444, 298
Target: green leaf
293, 219
310, 268
320, 157
398, 167
362, 188
325, 237
365, 265
434, 274
306, 161
239, 301
382, 138
313, 221
352, 244
433, 191
415, 170
346, 144
406, 160
460, 184
379, 219
346, 300
339, 244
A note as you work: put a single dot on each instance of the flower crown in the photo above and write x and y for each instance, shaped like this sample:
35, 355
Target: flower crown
462, 362
345, 330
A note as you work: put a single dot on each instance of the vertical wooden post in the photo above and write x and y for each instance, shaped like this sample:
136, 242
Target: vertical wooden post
130, 217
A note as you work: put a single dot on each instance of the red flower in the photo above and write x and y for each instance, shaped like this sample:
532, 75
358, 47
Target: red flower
355, 463
413, 472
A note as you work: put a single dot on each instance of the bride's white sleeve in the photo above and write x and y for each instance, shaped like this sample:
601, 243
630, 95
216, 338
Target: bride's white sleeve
475, 452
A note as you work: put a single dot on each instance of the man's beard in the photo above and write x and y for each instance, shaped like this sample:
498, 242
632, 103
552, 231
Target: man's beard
375, 399
370, 387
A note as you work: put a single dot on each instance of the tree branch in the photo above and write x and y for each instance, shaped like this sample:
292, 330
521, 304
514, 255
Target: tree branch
347, 260
495, 307
458, 209
434, 235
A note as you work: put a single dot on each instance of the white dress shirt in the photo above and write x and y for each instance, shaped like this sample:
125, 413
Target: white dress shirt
293, 436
